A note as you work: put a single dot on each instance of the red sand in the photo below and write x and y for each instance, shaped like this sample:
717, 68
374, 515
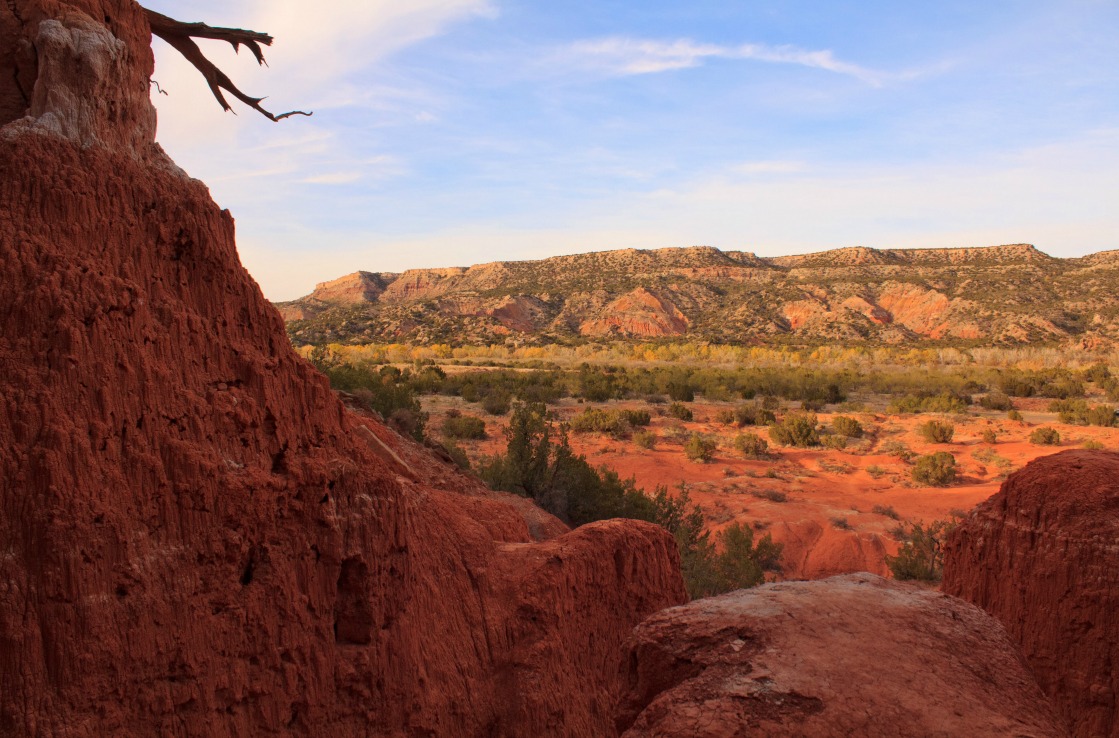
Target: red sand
824, 487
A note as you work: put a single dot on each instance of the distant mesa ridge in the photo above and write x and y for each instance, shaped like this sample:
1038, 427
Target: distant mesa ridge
1004, 295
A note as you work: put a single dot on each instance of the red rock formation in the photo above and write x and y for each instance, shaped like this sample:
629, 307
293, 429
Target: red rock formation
196, 537
855, 655
638, 313
1042, 556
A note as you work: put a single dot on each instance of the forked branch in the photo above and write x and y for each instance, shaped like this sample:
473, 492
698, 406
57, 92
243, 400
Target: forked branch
181, 38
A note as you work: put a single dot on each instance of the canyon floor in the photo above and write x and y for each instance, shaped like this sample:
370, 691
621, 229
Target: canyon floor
835, 510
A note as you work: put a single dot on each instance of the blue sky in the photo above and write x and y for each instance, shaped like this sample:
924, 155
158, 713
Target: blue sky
454, 132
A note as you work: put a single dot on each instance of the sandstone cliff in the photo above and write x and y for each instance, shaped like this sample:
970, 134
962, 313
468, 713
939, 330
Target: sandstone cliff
854, 655
999, 295
1042, 556
196, 537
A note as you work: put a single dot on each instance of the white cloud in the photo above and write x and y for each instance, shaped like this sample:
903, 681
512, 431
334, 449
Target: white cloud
628, 56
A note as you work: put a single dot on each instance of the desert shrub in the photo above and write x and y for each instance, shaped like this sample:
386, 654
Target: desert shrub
753, 415
796, 429
770, 403
734, 561
596, 420
464, 427
996, 401
1045, 436
680, 411
1098, 373
834, 441
945, 402
875, 471
538, 463
1093, 445
458, 456
1014, 415
751, 445
1102, 415
497, 403
645, 439
887, 511
846, 426
935, 431
725, 416
935, 470
898, 450
1072, 411
989, 435
921, 555
700, 448
773, 495
385, 392
636, 418
841, 523
812, 406
680, 390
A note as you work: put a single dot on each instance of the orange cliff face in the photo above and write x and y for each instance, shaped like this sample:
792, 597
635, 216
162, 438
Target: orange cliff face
196, 537
1041, 556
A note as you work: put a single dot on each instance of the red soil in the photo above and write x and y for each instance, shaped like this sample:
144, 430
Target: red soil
823, 486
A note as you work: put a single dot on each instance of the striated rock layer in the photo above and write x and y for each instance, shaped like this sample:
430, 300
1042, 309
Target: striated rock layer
1042, 556
196, 537
855, 655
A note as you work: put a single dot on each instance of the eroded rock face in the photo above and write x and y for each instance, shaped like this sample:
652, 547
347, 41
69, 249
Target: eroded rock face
1042, 556
855, 655
196, 537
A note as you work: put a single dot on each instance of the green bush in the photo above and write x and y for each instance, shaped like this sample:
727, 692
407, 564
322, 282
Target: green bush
1073, 412
595, 420
724, 416
645, 439
1093, 445
1102, 415
1045, 436
753, 415
935, 470
944, 402
751, 445
834, 441
457, 455
990, 435
846, 426
700, 448
996, 401
796, 429
496, 403
935, 431
921, 555
636, 418
1014, 415
464, 427
680, 411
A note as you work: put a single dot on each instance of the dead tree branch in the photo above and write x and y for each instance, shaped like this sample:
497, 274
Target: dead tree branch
181, 38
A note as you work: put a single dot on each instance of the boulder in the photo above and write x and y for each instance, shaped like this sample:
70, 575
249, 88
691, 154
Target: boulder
854, 655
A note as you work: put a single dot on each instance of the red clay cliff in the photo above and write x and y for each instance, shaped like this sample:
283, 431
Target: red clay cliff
1042, 556
196, 537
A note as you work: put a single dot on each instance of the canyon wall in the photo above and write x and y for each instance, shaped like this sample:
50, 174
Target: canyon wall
196, 537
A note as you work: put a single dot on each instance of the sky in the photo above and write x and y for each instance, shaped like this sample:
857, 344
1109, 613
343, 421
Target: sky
456, 132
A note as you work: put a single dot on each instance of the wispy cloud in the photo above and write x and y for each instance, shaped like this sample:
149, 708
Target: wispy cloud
629, 56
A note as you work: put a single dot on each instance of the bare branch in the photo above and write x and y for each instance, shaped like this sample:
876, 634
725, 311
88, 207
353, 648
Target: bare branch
181, 38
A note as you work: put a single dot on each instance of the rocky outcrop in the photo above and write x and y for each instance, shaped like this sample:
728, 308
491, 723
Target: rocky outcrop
638, 313
1042, 556
1002, 294
852, 655
196, 537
